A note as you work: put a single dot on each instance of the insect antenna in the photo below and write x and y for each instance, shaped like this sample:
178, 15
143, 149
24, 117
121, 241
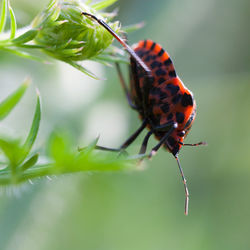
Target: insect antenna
202, 143
120, 40
185, 186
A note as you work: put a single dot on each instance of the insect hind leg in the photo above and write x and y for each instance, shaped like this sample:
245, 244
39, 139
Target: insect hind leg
127, 142
125, 88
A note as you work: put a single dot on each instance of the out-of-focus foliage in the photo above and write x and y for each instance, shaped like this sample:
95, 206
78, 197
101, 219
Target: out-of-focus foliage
19, 165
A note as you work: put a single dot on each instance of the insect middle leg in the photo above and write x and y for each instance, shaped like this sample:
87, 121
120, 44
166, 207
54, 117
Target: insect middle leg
127, 142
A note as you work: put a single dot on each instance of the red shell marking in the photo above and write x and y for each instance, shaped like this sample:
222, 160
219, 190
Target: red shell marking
168, 100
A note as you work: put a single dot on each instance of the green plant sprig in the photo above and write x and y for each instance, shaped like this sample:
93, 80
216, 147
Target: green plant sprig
61, 32
19, 163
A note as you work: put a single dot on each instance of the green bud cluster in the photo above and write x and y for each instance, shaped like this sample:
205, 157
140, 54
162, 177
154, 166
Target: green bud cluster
67, 35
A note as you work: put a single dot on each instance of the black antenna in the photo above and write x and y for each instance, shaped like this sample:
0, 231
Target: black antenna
121, 41
185, 186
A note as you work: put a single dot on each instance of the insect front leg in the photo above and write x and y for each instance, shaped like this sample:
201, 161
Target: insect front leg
168, 127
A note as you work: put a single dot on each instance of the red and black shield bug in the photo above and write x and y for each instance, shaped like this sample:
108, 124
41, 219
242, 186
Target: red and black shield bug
166, 107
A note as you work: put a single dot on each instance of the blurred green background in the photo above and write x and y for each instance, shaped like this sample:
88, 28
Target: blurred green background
143, 210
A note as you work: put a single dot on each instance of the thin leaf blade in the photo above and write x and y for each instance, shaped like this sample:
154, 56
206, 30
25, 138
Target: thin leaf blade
10, 102
103, 4
3, 16
12, 23
34, 127
82, 69
25, 37
30, 162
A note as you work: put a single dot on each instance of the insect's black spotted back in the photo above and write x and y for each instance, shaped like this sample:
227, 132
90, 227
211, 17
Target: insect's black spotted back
167, 99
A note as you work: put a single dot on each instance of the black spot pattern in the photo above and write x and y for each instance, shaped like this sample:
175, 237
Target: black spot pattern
163, 95
148, 58
165, 107
172, 73
140, 53
167, 62
161, 80
153, 46
161, 52
179, 117
176, 98
145, 43
172, 88
155, 64
155, 91
160, 72
187, 100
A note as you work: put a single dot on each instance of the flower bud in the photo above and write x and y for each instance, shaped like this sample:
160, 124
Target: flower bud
67, 35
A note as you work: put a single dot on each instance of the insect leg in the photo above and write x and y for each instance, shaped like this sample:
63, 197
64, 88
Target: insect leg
170, 128
127, 142
124, 87
145, 142
164, 127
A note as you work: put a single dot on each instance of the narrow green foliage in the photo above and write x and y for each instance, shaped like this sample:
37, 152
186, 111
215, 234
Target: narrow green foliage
61, 32
23, 54
20, 164
30, 162
82, 69
10, 102
3, 15
103, 4
12, 150
26, 37
34, 127
12, 23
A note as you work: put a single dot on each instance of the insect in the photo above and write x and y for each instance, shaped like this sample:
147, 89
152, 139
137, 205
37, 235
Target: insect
166, 107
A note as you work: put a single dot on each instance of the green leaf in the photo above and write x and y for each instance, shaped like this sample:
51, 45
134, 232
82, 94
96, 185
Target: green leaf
26, 37
3, 16
89, 148
34, 128
12, 23
103, 4
24, 54
12, 150
59, 145
10, 102
82, 69
30, 162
